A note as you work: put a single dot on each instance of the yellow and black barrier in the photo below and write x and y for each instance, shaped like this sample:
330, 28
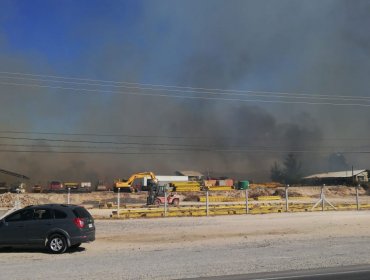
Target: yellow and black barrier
231, 209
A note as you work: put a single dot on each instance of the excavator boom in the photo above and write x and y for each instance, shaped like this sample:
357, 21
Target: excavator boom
126, 185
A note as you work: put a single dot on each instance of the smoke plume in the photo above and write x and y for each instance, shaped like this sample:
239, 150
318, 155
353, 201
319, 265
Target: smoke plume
294, 47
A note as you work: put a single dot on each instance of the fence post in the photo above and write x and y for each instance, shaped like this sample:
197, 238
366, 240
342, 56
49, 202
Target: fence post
17, 203
207, 203
357, 200
118, 201
69, 196
165, 203
322, 200
322, 197
246, 201
286, 198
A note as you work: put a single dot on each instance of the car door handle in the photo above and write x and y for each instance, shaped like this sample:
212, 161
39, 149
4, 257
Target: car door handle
20, 226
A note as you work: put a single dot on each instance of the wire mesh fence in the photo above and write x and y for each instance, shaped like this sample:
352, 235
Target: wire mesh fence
209, 202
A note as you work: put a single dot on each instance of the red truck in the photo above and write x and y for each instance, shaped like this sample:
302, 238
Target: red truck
56, 186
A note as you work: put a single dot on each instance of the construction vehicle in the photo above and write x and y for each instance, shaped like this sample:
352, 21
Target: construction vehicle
18, 188
13, 188
56, 186
83, 187
156, 195
4, 188
37, 188
73, 187
102, 187
128, 186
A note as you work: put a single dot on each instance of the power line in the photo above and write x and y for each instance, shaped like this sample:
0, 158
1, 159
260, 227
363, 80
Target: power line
186, 147
80, 90
175, 153
93, 142
190, 97
189, 149
103, 135
86, 152
164, 136
168, 88
159, 86
269, 94
102, 147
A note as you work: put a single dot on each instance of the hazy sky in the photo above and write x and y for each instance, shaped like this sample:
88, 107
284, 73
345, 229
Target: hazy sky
315, 52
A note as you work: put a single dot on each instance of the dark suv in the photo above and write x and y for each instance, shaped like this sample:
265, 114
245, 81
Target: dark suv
55, 226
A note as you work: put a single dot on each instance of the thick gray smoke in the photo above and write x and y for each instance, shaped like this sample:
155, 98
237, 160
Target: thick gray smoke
315, 47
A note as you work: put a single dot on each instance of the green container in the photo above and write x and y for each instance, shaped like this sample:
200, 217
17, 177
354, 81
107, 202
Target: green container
243, 185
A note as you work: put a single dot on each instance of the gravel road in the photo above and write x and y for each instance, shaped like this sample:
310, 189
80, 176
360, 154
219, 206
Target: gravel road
191, 247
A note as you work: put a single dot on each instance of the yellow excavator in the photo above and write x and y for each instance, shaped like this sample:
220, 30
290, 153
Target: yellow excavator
127, 186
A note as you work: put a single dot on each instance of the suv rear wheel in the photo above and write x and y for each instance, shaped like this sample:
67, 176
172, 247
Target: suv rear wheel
57, 244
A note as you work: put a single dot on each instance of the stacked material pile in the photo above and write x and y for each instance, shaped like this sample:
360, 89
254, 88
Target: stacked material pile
269, 197
224, 182
186, 186
220, 188
221, 199
219, 185
266, 185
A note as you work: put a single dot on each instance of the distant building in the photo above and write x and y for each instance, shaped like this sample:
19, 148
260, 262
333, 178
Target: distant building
338, 178
193, 175
10, 179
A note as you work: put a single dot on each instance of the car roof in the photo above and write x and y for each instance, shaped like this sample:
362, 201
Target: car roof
64, 206
55, 206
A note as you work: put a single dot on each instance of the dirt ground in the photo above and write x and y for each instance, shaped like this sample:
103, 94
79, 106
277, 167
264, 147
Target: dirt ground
173, 248
173, 232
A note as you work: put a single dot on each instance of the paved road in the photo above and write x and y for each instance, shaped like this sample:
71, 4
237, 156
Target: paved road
358, 272
176, 248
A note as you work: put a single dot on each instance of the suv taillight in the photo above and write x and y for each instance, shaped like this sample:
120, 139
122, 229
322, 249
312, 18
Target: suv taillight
79, 222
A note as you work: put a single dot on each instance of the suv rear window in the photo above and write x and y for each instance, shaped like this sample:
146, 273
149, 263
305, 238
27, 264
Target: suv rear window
42, 214
81, 212
59, 214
